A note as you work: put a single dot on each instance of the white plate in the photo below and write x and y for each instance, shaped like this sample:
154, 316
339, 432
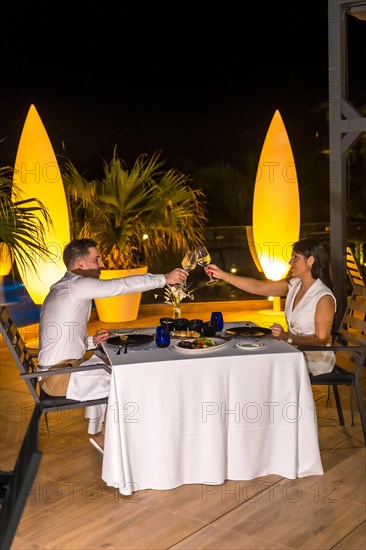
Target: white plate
218, 341
250, 346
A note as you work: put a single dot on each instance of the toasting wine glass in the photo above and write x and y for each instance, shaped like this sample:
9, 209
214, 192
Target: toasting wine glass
203, 258
189, 261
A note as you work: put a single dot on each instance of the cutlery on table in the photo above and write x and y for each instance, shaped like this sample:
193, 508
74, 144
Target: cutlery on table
124, 343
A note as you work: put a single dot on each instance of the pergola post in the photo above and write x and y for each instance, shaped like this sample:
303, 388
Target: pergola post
345, 126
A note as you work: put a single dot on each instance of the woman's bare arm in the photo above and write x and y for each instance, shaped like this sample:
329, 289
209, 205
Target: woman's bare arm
248, 284
323, 323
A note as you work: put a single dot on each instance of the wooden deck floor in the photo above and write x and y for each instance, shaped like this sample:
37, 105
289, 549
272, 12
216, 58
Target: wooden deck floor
70, 507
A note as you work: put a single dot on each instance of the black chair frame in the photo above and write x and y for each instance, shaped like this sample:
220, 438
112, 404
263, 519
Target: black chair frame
350, 349
25, 362
15, 486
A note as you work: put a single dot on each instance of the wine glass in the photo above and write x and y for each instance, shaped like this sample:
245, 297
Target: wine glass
189, 261
203, 258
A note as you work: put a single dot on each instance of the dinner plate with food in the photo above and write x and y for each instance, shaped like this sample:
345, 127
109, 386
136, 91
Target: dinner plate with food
200, 344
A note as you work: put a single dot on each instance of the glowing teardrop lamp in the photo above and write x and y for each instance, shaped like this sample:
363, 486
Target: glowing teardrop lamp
276, 205
6, 259
37, 175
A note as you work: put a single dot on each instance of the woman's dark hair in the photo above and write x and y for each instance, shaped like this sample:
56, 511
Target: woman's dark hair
320, 267
77, 249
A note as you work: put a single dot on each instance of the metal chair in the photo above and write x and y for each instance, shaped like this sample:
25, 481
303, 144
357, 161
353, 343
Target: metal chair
350, 348
353, 269
25, 361
16, 485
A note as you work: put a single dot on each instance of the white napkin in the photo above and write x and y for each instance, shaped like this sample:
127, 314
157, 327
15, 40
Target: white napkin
94, 360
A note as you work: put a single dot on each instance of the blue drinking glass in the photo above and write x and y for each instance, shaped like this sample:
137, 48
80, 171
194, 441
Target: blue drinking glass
196, 325
162, 338
209, 329
217, 318
181, 324
168, 321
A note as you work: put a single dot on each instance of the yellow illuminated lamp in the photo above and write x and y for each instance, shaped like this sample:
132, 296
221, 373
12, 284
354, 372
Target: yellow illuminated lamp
37, 175
252, 250
276, 204
6, 260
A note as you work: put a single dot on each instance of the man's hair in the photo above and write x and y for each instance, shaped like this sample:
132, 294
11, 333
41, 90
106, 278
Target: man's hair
76, 249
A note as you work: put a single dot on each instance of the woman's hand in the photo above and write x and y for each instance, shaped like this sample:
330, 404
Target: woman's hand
101, 335
216, 272
248, 284
278, 332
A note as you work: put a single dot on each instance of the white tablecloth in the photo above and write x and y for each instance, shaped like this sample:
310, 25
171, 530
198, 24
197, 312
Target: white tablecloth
176, 418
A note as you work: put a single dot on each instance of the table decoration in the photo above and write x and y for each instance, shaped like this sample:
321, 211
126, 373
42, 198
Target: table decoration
174, 294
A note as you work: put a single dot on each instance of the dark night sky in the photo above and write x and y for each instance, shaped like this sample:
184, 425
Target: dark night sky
186, 78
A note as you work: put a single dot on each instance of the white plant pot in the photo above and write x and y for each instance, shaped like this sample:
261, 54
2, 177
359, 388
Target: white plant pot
125, 307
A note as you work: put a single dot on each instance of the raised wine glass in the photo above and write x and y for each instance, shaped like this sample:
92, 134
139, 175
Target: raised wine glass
189, 261
203, 258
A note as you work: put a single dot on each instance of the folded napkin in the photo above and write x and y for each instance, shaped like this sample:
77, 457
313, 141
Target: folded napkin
145, 347
94, 360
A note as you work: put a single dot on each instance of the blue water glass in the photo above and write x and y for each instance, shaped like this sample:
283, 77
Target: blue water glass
181, 324
208, 328
217, 318
168, 321
196, 325
162, 337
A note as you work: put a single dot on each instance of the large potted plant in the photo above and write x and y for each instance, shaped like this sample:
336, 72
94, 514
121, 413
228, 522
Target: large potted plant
134, 215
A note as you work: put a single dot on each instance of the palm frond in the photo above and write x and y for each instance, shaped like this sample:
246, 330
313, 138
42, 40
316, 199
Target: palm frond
22, 223
125, 205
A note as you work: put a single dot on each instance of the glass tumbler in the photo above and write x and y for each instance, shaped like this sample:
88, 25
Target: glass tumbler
217, 318
209, 329
168, 321
162, 337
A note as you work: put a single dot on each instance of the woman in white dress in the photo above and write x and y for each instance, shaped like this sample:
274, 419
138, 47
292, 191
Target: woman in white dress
310, 303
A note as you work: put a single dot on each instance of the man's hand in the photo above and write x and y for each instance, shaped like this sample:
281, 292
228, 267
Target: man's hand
176, 276
101, 335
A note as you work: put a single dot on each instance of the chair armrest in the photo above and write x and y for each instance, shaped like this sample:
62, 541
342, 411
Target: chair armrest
99, 352
331, 348
66, 370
